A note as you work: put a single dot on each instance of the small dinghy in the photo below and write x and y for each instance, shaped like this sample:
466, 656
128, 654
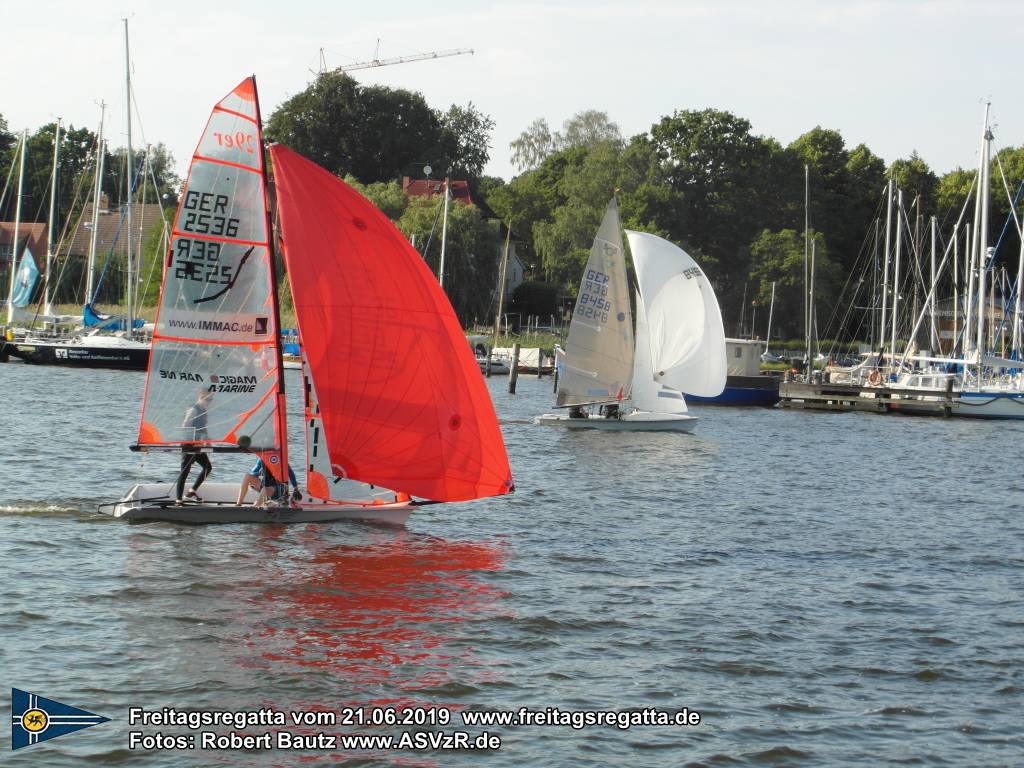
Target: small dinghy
679, 343
394, 404
155, 501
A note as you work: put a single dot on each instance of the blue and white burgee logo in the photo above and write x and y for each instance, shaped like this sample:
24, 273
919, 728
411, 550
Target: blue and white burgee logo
35, 719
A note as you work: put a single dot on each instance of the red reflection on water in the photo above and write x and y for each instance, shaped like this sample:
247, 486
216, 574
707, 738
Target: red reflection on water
382, 612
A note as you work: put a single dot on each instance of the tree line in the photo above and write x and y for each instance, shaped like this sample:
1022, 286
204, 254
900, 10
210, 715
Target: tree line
733, 199
701, 178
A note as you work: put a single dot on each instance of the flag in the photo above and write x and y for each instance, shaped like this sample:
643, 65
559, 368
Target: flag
35, 719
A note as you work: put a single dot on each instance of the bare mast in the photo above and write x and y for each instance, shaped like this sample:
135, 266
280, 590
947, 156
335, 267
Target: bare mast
47, 307
130, 177
97, 193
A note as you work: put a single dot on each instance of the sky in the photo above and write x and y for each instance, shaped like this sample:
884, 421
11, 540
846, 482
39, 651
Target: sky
899, 76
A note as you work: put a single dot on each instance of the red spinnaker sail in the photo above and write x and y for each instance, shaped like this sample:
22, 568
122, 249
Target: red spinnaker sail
403, 402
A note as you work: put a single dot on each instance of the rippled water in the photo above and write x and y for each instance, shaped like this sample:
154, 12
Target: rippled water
825, 589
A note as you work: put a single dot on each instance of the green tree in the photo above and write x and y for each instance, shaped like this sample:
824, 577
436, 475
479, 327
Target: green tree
865, 180
535, 298
725, 175
471, 249
587, 129
951, 194
779, 257
914, 177
532, 145
584, 129
323, 123
466, 140
378, 133
386, 195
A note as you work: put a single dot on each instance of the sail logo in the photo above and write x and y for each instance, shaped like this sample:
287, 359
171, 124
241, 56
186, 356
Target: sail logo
181, 376
229, 383
35, 719
692, 272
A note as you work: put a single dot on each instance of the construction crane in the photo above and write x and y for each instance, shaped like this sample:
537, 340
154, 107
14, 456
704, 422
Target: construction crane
377, 62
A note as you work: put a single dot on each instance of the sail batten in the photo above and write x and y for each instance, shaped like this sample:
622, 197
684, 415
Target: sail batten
400, 396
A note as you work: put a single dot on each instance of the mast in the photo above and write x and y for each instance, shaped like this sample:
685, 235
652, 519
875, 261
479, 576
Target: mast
885, 272
138, 245
501, 290
912, 342
807, 306
985, 253
874, 288
931, 301
771, 311
444, 233
1017, 297
97, 193
47, 308
956, 289
130, 177
282, 405
17, 222
896, 275
812, 328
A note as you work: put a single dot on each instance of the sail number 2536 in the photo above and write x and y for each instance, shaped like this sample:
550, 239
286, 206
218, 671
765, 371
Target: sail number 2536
241, 140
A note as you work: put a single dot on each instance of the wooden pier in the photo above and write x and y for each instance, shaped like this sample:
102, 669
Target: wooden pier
861, 397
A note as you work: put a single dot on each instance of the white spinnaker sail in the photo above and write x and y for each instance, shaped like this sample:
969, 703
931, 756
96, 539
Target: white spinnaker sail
687, 339
214, 349
598, 363
648, 394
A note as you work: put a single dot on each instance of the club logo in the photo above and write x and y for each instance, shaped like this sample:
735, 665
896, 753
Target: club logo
35, 719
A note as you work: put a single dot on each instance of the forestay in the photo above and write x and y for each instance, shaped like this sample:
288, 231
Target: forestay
401, 397
215, 347
687, 340
598, 362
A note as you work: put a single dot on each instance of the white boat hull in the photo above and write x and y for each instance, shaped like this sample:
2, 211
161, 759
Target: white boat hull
637, 421
155, 501
989, 405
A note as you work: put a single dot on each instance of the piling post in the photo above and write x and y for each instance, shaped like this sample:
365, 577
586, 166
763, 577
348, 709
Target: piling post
947, 406
513, 373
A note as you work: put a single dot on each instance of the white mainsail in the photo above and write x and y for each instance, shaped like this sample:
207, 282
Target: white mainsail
687, 340
648, 394
599, 351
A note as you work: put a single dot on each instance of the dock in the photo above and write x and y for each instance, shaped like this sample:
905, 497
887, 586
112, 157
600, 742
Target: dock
861, 397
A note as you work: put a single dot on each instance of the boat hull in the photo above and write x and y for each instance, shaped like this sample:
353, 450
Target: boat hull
638, 421
133, 358
758, 391
989, 405
155, 502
